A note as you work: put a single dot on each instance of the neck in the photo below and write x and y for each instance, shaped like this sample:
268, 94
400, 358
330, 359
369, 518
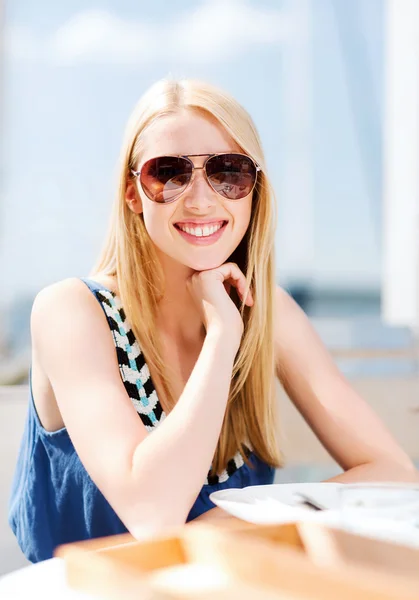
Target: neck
178, 316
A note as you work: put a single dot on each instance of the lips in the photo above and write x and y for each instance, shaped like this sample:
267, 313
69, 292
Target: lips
202, 240
199, 224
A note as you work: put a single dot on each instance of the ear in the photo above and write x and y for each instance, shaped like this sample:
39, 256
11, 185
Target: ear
132, 198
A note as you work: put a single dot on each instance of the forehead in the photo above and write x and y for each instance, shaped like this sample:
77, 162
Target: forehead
188, 132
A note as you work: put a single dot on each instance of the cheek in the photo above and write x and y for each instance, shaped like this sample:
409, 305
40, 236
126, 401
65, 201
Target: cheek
157, 220
150, 222
244, 214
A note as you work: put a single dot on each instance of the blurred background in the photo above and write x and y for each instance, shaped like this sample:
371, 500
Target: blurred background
333, 87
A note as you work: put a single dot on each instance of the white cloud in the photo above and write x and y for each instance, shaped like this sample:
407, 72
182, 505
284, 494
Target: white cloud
218, 29
99, 36
215, 31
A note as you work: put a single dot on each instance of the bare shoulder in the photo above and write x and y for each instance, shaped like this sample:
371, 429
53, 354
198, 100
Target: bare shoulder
64, 291
63, 308
295, 338
285, 304
283, 298
71, 293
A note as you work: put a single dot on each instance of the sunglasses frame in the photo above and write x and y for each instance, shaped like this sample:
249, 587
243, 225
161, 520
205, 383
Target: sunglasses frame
187, 157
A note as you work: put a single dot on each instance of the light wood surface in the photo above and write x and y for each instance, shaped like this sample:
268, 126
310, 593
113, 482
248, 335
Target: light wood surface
305, 561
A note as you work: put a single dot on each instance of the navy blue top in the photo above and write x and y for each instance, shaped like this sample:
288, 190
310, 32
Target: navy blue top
53, 499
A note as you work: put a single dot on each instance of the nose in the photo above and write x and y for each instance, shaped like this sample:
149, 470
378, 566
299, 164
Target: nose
199, 195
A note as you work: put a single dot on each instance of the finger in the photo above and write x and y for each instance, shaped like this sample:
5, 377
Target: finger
240, 282
244, 292
249, 298
233, 274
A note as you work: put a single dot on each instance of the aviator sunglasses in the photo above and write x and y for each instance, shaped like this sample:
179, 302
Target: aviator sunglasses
165, 178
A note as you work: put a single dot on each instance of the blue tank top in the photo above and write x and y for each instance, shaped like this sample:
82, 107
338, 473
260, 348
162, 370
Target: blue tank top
53, 499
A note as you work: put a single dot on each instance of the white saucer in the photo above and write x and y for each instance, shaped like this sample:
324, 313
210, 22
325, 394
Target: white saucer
277, 503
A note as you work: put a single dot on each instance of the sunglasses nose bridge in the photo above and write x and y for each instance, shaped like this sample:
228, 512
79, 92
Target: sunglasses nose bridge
198, 176
193, 194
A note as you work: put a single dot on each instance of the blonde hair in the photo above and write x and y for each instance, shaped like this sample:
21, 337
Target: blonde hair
130, 256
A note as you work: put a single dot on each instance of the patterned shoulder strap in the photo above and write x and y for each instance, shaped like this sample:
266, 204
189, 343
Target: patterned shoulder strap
132, 366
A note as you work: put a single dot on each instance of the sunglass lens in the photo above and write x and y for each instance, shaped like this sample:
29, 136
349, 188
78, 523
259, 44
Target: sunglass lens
164, 178
231, 175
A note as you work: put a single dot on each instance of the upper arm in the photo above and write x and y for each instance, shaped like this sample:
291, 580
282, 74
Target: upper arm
75, 349
345, 424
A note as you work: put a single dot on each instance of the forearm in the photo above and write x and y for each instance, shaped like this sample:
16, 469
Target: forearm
178, 455
379, 471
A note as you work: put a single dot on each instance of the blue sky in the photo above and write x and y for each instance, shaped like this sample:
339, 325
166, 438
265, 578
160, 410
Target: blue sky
74, 70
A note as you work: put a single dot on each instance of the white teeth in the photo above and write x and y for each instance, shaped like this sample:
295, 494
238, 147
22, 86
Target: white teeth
201, 231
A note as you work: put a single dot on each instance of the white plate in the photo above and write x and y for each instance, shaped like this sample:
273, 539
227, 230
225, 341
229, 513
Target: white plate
279, 503
276, 503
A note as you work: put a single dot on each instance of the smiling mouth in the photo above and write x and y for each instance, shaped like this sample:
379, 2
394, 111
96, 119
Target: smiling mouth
201, 231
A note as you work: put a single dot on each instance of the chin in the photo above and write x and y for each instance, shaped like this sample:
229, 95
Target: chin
205, 263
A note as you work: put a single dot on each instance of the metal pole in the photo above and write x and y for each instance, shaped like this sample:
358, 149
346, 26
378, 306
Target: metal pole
2, 86
2, 47
400, 297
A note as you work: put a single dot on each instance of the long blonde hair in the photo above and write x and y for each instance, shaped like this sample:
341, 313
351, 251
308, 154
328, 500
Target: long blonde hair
130, 257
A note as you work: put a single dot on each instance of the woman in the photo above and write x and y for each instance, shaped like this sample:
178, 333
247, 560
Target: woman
178, 331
